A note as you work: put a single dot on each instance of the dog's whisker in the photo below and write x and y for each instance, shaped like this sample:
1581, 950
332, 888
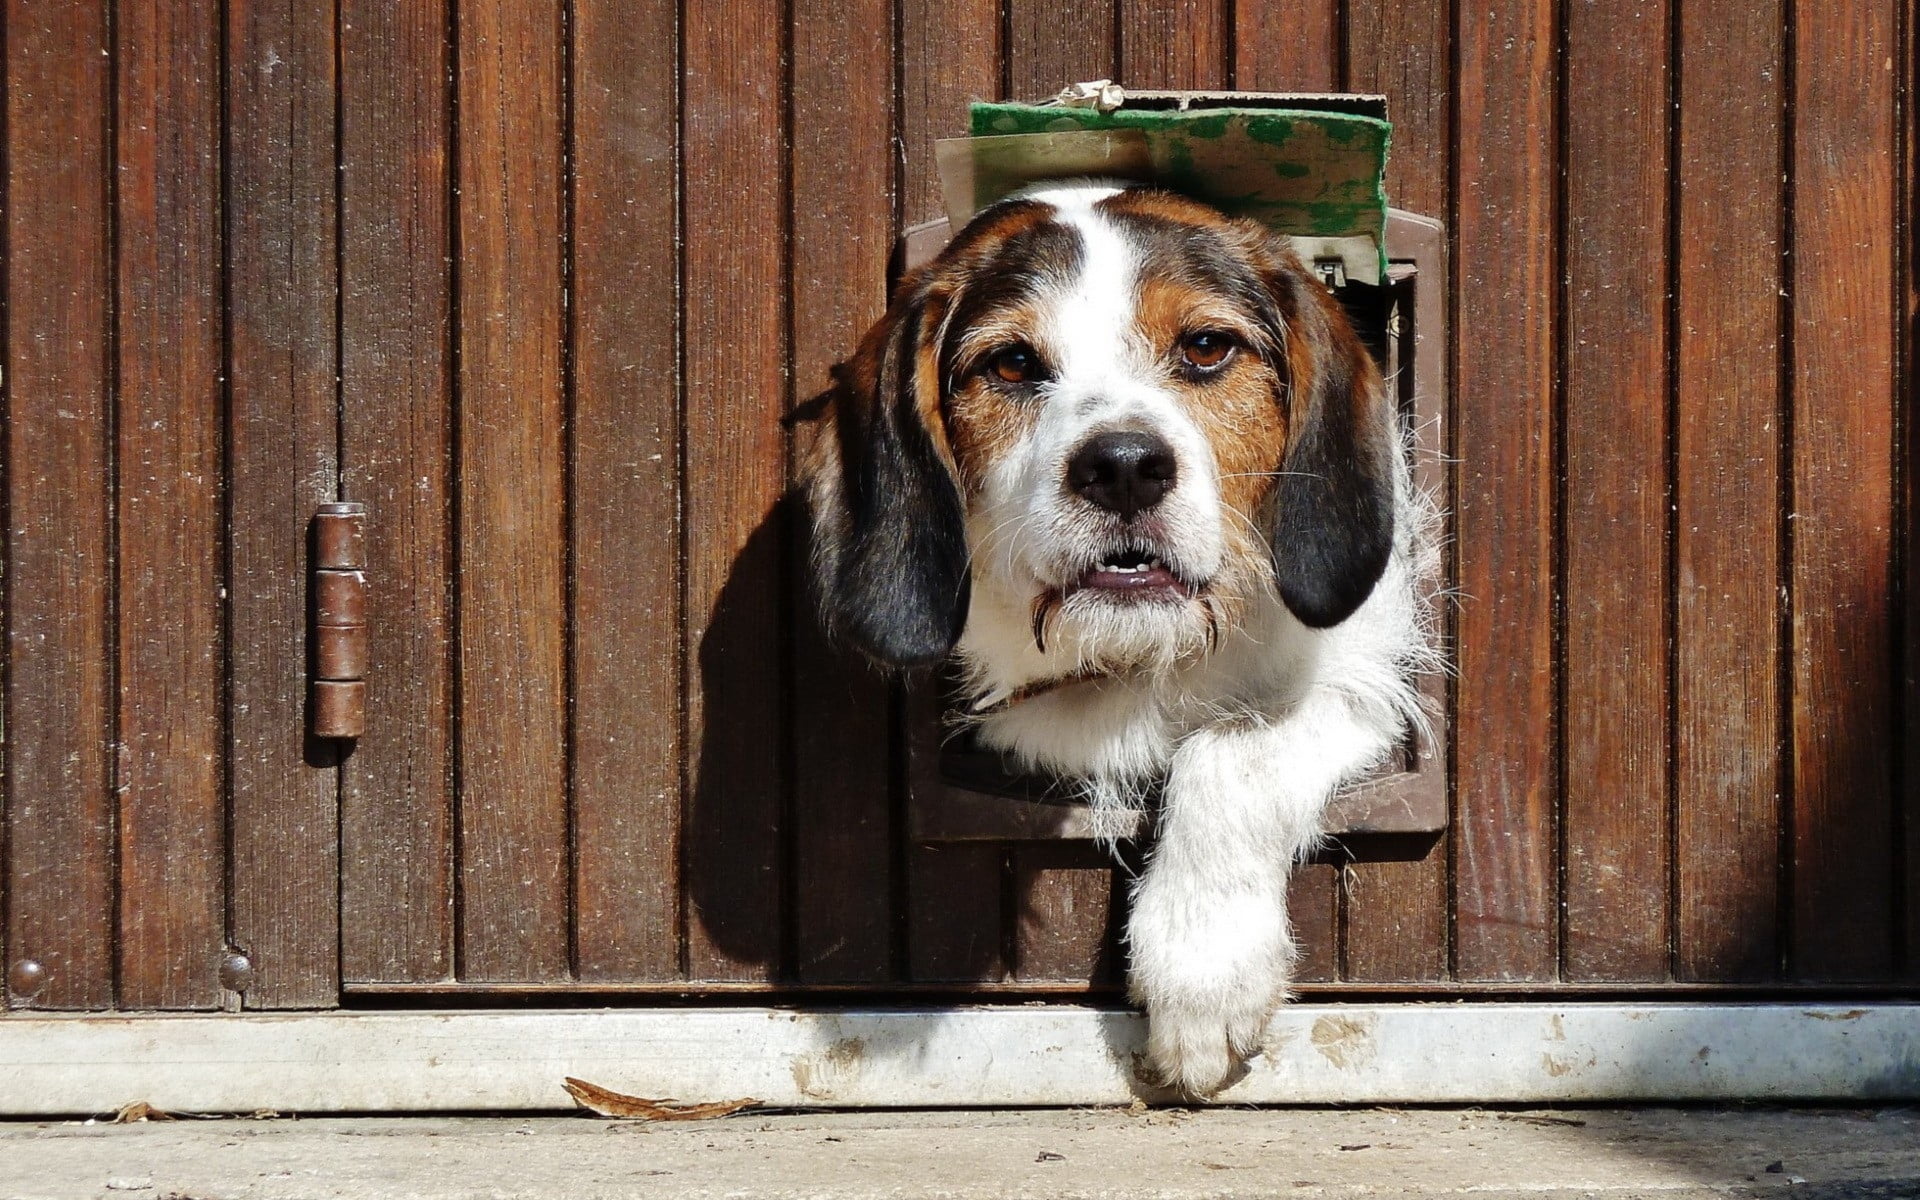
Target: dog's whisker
1043, 607
984, 549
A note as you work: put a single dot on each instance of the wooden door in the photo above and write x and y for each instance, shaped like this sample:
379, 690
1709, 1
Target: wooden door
536, 282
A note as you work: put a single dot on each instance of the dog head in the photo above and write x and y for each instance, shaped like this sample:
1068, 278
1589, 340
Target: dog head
1113, 408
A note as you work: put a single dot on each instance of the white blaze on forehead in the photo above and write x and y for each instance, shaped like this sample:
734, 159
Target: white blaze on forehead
1101, 374
1091, 317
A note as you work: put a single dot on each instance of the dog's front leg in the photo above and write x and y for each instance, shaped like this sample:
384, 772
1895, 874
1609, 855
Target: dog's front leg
1210, 947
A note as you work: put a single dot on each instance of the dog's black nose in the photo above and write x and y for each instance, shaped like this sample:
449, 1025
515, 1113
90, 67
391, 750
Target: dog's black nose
1123, 472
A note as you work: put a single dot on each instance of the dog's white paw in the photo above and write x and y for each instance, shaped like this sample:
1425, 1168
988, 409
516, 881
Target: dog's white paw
1200, 1052
1210, 976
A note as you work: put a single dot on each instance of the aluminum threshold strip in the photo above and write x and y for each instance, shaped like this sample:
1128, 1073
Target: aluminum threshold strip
958, 1057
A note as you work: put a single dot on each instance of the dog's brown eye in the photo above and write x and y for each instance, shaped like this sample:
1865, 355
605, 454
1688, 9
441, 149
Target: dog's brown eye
1206, 349
1015, 364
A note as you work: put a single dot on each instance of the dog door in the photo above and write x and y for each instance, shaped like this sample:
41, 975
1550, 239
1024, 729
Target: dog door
961, 792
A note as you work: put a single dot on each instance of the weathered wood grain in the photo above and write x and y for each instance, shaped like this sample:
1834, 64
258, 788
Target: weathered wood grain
512, 464
843, 230
396, 388
1065, 927
1727, 519
59, 416
955, 924
626, 492
283, 455
1294, 45
1314, 904
738, 597
1050, 45
1506, 270
1615, 635
172, 818
1908, 762
1178, 43
950, 55
1844, 363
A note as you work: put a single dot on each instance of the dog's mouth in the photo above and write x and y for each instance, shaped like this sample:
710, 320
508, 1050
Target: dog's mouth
1134, 571
1128, 576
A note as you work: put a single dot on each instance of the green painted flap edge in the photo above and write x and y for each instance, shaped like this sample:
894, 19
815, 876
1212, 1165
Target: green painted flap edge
1308, 172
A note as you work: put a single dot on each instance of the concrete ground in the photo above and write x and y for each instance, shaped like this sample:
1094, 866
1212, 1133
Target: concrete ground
1672, 1154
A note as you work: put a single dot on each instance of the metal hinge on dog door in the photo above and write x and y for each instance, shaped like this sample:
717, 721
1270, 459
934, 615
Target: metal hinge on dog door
339, 705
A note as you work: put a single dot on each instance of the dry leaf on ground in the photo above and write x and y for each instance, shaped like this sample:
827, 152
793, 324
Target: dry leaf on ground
139, 1110
607, 1103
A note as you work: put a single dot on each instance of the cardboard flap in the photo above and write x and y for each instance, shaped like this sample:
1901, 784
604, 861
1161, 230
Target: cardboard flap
1312, 166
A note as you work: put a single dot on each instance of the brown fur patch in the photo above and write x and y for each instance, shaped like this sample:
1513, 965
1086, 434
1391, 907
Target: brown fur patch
1242, 406
969, 280
1239, 405
986, 422
982, 239
930, 291
1331, 501
1166, 206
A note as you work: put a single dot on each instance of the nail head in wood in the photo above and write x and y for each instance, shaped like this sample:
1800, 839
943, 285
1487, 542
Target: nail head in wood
236, 971
26, 977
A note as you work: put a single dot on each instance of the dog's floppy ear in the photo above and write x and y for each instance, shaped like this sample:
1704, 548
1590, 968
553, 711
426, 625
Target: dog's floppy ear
889, 535
1332, 503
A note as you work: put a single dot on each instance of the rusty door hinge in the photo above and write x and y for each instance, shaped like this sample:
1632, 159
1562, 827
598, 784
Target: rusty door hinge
339, 708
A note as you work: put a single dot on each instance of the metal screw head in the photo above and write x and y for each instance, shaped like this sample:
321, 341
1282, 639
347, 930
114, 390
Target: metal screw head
26, 977
236, 971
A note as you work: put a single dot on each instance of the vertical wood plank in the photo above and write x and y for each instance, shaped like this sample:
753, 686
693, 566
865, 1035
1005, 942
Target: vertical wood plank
842, 221
1063, 895
1396, 927
1727, 343
283, 451
1177, 43
1505, 276
396, 389
1292, 45
1844, 362
172, 731
954, 914
735, 381
1908, 763
1313, 910
59, 898
1066, 916
512, 496
1050, 45
626, 492
1615, 638
950, 54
